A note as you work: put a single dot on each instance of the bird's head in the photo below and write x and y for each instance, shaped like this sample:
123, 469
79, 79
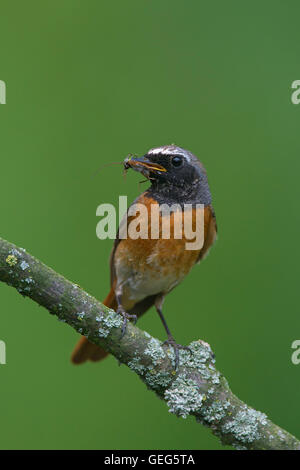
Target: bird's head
171, 168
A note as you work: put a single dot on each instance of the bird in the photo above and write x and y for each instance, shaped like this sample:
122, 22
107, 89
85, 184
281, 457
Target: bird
144, 270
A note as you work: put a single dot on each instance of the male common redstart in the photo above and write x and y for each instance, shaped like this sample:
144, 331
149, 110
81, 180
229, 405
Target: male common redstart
144, 270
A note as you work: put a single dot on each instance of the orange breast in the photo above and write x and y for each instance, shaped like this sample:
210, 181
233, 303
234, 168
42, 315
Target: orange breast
155, 264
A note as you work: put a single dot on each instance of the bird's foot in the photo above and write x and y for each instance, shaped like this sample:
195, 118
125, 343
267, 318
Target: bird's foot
171, 342
126, 317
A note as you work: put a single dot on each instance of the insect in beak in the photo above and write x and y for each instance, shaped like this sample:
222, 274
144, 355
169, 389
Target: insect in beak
143, 165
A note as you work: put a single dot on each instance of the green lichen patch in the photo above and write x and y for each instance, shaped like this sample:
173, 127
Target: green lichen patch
24, 265
109, 321
188, 393
215, 412
183, 397
200, 354
245, 425
155, 351
11, 260
156, 379
136, 365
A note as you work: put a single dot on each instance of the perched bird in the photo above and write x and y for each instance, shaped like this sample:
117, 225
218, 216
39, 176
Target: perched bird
145, 270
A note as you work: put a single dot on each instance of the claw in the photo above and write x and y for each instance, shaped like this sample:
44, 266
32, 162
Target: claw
171, 342
126, 316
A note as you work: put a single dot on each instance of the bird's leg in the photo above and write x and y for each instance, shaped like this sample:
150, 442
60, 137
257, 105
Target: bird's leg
170, 341
126, 316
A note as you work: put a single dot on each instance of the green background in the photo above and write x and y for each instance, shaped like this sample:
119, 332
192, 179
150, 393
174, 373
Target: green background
87, 83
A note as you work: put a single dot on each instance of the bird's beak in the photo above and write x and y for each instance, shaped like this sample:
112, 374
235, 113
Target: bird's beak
143, 165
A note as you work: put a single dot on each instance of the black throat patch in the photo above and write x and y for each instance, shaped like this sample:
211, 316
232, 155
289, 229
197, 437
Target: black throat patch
196, 193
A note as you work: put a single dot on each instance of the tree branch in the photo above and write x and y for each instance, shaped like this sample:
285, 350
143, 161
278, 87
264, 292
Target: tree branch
197, 388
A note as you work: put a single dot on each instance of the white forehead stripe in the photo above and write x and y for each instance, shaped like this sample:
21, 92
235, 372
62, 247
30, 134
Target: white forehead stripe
168, 151
165, 151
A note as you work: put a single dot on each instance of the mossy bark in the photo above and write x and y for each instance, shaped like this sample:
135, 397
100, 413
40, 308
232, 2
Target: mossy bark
196, 388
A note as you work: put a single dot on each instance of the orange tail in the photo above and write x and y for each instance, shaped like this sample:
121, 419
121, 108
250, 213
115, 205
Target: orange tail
84, 350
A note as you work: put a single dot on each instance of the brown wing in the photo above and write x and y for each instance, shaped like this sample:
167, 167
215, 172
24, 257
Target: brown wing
112, 259
140, 307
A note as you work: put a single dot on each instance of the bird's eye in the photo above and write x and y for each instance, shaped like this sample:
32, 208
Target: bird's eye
177, 161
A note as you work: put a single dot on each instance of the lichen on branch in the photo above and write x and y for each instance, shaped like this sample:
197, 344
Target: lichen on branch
197, 388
